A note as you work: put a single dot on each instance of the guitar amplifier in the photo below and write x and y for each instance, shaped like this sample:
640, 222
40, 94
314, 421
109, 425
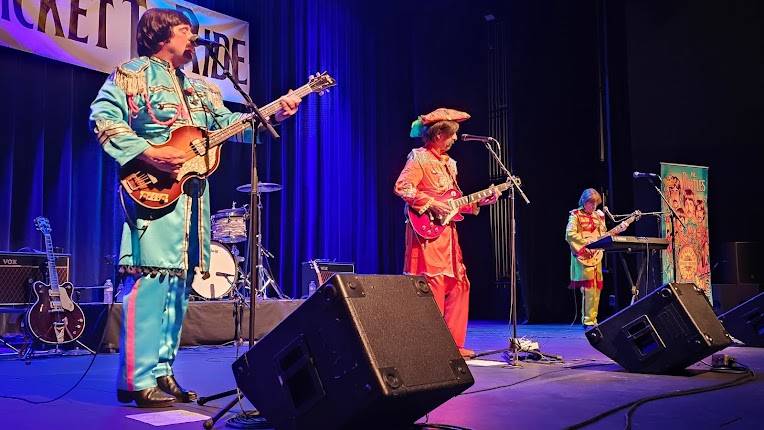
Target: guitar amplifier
19, 270
310, 280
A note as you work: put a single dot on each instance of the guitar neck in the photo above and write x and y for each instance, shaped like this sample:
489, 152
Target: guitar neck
52, 272
480, 195
217, 137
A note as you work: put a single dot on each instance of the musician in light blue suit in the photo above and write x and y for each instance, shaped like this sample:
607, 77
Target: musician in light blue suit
138, 106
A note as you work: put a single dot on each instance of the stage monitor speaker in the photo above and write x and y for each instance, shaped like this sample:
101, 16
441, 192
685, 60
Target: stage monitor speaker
727, 296
741, 263
363, 352
18, 270
746, 322
668, 330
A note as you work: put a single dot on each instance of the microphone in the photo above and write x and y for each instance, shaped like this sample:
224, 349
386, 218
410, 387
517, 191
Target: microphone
468, 137
638, 175
198, 41
607, 211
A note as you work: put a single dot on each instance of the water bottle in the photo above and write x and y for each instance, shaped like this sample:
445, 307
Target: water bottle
311, 288
108, 292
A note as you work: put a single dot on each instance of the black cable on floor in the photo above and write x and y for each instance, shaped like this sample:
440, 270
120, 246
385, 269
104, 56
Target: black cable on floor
633, 405
438, 426
482, 390
76, 384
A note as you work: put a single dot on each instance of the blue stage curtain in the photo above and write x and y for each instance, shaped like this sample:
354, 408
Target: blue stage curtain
326, 157
53, 167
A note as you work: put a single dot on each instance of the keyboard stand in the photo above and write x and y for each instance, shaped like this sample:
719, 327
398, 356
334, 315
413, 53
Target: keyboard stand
641, 271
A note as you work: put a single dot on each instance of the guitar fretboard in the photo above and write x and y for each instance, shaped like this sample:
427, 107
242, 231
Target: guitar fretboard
52, 272
219, 136
480, 195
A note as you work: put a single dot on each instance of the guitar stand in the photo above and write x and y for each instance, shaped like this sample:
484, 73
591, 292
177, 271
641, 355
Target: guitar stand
5, 343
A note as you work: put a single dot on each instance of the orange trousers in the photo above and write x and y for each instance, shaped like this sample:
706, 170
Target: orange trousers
453, 298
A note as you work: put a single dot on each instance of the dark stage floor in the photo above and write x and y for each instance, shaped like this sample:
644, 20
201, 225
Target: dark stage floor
535, 395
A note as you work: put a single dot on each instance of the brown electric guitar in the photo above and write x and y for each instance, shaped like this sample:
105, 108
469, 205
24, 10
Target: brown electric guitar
156, 189
54, 317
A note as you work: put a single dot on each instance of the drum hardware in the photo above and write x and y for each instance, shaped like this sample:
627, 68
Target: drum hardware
226, 278
265, 278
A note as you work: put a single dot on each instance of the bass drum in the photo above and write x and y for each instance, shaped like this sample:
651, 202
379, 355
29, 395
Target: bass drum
223, 274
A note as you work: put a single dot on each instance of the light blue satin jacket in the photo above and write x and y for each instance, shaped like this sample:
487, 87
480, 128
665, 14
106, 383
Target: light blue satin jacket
141, 102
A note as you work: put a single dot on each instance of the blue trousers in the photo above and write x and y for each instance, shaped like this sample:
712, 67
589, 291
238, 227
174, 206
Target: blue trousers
153, 308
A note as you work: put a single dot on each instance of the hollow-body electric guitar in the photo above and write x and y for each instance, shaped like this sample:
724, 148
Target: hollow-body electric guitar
54, 317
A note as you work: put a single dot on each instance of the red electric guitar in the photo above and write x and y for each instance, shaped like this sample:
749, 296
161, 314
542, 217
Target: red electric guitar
428, 227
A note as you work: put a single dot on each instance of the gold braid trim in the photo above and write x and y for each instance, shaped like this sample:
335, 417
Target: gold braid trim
131, 82
107, 129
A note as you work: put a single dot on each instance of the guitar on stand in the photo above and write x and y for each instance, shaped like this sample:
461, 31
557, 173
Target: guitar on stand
54, 318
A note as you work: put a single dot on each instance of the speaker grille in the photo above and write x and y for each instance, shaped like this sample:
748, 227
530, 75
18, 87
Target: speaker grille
19, 270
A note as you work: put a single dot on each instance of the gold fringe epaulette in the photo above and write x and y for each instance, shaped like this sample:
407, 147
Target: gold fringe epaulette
216, 96
131, 76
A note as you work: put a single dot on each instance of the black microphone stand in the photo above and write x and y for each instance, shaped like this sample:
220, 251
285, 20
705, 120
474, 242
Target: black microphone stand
514, 343
245, 419
673, 217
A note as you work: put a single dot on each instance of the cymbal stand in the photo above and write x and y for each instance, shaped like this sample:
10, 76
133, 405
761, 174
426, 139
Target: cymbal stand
265, 278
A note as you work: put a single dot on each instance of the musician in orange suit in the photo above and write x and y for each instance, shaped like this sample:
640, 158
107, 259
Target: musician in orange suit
430, 172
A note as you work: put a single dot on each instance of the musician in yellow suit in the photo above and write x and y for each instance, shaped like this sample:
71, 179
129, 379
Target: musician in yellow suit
140, 104
585, 224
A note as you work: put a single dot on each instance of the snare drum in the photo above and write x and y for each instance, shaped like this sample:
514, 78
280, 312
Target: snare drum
229, 225
223, 273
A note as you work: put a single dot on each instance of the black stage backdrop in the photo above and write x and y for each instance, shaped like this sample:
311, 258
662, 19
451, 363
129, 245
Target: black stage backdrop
683, 85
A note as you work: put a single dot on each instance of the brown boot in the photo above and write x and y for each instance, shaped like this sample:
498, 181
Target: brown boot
169, 385
152, 397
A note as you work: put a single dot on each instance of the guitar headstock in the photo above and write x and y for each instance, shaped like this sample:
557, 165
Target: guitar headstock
42, 224
321, 82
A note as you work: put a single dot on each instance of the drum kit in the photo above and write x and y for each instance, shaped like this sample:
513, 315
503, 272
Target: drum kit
226, 277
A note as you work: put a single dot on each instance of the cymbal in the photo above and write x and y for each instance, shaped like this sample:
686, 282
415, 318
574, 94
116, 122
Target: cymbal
263, 187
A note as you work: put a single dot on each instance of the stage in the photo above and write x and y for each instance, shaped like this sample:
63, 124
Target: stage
533, 395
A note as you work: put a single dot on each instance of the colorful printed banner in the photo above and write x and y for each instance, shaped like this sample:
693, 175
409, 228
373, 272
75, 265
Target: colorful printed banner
686, 188
100, 34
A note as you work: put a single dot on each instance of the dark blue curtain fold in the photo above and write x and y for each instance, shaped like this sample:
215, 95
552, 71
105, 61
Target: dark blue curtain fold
52, 165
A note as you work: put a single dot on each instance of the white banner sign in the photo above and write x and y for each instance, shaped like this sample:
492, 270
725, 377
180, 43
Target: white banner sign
100, 34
